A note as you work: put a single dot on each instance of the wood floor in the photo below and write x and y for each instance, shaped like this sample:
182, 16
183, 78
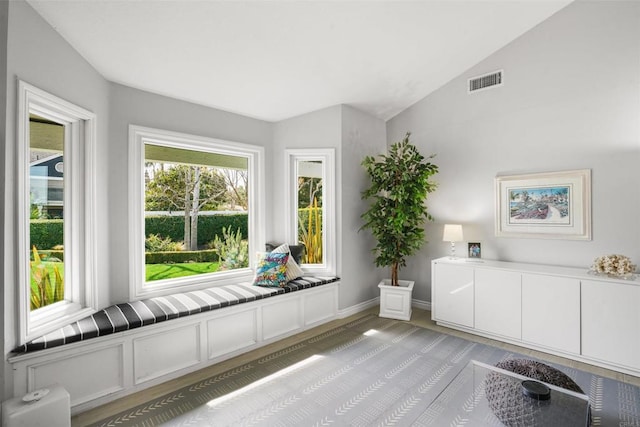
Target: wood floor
420, 318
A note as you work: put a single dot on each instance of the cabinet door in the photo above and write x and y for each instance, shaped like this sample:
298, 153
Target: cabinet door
611, 322
453, 294
551, 312
498, 302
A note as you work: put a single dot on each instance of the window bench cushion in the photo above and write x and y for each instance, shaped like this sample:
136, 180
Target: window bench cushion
122, 317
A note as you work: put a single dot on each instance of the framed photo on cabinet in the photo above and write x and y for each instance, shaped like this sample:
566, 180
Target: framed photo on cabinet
474, 250
551, 205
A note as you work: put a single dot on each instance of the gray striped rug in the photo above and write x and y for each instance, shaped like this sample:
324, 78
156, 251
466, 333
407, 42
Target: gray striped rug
371, 372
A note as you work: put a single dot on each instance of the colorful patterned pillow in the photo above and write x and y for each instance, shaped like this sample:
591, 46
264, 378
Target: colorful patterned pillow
271, 271
293, 270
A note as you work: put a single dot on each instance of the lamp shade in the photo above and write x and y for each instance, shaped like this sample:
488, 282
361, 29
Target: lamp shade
452, 233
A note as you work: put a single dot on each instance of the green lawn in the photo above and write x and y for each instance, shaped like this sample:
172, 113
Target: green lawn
169, 271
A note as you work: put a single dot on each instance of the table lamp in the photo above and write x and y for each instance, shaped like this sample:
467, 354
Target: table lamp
452, 233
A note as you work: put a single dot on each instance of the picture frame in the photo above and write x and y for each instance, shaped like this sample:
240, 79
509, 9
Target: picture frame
550, 205
474, 250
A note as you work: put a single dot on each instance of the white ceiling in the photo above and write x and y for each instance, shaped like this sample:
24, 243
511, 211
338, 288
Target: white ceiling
275, 60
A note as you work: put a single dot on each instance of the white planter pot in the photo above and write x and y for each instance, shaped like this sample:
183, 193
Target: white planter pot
395, 301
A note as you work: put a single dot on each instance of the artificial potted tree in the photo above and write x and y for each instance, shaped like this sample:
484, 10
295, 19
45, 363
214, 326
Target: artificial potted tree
400, 182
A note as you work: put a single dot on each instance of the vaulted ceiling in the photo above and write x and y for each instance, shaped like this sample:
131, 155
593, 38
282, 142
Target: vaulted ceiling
277, 59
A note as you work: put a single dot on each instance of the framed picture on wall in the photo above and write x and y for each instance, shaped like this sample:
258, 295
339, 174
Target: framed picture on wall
474, 250
553, 205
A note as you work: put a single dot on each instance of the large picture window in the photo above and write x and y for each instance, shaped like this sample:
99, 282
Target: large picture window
55, 212
195, 210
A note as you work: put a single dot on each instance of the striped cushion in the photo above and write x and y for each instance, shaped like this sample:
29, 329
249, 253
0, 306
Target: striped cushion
122, 317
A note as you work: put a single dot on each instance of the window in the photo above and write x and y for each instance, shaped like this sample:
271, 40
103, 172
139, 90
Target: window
55, 212
310, 212
196, 211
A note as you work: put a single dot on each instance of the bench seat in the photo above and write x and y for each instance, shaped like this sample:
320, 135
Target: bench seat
122, 317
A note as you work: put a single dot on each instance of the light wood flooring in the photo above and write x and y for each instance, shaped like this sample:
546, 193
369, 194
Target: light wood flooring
420, 318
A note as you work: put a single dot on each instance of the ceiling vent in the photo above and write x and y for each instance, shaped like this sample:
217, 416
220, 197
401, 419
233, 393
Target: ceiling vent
486, 81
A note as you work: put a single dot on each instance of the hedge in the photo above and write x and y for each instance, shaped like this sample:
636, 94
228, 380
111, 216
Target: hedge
47, 233
180, 256
45, 255
208, 226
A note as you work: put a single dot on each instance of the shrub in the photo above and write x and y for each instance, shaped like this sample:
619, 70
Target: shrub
209, 226
51, 255
169, 257
46, 233
233, 250
47, 285
155, 243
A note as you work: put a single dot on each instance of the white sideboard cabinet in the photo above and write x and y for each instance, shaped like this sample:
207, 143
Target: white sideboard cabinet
497, 302
611, 322
559, 310
455, 295
551, 311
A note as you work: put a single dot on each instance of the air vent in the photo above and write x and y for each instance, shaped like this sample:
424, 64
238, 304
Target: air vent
486, 81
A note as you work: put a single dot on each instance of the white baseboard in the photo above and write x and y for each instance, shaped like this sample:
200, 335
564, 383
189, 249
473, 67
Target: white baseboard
354, 309
423, 305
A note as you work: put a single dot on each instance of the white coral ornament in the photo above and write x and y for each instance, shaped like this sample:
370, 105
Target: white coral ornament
613, 265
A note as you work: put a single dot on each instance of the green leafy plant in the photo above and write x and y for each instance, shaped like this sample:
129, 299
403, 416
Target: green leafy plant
232, 249
400, 182
47, 285
174, 257
46, 233
209, 226
155, 243
311, 233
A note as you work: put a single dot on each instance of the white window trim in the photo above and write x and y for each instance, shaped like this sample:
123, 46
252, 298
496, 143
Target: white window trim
80, 209
327, 156
138, 136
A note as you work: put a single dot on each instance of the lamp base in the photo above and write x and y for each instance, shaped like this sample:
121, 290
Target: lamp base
453, 251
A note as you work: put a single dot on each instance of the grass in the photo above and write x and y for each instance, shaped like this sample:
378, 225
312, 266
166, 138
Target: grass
169, 271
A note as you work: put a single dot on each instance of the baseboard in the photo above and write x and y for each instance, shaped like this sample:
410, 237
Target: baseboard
423, 305
355, 309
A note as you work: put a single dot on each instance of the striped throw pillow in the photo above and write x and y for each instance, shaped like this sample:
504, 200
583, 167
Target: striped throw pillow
293, 269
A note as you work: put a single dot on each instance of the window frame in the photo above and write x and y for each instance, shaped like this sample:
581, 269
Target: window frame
138, 137
79, 219
329, 249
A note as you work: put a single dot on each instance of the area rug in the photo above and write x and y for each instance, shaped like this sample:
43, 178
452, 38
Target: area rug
370, 372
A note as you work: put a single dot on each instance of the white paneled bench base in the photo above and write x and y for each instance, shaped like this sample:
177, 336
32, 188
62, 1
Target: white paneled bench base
104, 368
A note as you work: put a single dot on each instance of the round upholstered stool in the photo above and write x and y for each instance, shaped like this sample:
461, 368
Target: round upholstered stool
512, 407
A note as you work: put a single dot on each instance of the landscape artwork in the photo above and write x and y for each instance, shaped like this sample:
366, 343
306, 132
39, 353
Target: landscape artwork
540, 205
545, 205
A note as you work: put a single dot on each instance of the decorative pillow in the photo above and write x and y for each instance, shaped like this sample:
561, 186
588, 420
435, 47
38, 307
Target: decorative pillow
296, 251
271, 270
293, 270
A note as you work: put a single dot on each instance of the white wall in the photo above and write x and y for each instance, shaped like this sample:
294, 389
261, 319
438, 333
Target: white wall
319, 129
40, 56
362, 135
570, 100
132, 106
353, 134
